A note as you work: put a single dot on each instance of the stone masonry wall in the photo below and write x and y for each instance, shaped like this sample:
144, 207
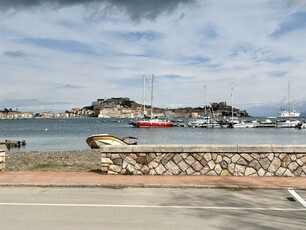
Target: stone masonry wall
2, 157
212, 160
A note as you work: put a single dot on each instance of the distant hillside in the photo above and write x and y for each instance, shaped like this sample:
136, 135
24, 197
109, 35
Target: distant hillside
124, 107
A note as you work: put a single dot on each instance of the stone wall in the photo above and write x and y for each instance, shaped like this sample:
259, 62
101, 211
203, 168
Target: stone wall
212, 160
2, 157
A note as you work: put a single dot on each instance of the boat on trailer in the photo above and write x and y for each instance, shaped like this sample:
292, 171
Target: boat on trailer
98, 140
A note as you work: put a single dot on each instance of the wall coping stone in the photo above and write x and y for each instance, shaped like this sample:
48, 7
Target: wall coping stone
204, 148
254, 149
3, 148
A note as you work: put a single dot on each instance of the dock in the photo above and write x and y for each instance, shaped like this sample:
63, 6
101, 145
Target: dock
13, 144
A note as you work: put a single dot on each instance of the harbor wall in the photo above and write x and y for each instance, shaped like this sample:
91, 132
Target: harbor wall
2, 157
208, 160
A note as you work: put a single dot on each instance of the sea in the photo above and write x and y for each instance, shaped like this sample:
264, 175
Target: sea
71, 134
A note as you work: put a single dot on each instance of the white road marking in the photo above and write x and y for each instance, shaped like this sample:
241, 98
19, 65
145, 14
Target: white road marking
152, 206
297, 197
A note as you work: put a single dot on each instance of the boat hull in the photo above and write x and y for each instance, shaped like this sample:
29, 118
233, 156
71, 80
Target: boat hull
148, 124
96, 141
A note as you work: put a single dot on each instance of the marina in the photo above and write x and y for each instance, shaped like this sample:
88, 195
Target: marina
71, 134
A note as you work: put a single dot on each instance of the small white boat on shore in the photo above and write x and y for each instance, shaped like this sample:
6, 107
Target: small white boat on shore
98, 140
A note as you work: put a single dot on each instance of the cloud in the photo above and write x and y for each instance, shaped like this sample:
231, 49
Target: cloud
278, 74
293, 22
14, 54
25, 103
136, 9
62, 45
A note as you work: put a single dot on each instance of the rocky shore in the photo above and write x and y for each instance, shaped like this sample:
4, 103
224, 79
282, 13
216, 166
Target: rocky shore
70, 161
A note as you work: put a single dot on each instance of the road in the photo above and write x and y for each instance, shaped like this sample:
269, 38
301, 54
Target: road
150, 208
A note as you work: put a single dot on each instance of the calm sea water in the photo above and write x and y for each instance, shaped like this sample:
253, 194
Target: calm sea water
70, 134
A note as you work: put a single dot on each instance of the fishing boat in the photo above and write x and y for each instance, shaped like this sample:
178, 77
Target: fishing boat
289, 112
153, 122
98, 140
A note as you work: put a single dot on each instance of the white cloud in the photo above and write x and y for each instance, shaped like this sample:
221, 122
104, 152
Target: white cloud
75, 54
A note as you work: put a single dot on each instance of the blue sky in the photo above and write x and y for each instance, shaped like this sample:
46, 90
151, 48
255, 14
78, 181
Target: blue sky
61, 54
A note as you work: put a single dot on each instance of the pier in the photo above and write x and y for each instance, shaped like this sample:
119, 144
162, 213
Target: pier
13, 144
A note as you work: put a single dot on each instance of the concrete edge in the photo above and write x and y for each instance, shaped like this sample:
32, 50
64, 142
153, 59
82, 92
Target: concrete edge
123, 186
217, 148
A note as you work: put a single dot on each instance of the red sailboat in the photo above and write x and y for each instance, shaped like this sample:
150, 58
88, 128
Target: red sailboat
151, 122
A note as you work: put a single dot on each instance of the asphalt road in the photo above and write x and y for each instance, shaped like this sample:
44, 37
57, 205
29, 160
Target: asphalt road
150, 208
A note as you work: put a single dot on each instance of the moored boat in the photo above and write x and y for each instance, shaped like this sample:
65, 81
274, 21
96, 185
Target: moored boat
289, 112
287, 123
98, 140
153, 123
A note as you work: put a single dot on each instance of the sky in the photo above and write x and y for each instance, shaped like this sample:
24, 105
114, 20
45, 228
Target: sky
60, 54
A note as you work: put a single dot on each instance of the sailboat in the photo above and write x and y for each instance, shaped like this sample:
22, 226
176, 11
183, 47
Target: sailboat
289, 112
286, 116
153, 121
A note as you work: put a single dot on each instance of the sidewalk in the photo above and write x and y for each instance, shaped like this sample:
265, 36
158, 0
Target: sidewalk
92, 179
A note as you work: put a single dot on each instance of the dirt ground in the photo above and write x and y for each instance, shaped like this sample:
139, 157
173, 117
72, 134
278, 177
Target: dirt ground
70, 161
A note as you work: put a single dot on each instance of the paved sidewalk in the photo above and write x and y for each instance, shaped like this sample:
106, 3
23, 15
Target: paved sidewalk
92, 179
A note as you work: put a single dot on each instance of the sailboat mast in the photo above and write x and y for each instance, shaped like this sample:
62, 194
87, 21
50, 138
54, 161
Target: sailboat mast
289, 97
205, 112
144, 95
232, 101
152, 96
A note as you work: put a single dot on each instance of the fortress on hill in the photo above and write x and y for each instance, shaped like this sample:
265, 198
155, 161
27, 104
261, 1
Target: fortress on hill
125, 108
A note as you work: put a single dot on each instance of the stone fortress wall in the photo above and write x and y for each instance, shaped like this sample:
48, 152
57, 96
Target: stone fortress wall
209, 160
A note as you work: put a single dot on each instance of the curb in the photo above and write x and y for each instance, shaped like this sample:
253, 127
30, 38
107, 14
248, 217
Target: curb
124, 186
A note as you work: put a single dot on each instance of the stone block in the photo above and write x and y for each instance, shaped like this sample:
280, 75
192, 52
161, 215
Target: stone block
247, 157
167, 157
197, 156
183, 165
152, 165
207, 156
293, 166
172, 168
250, 172
205, 170
190, 160
145, 170
275, 164
225, 172
218, 169
190, 171
264, 162
254, 148
197, 166
2, 154
130, 160
235, 158
115, 168
118, 161
255, 164
211, 164
177, 158
105, 160
160, 169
